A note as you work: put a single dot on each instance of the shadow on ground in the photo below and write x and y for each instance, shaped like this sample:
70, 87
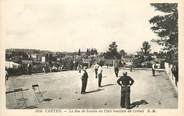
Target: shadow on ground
138, 103
47, 99
93, 91
107, 85
31, 107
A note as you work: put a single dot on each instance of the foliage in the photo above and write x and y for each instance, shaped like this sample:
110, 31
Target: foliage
123, 53
143, 56
68, 63
112, 52
146, 48
91, 51
166, 27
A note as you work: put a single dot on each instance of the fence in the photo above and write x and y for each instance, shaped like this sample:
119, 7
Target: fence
170, 75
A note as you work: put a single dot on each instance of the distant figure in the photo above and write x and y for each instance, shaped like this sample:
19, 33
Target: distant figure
107, 65
46, 68
123, 65
125, 82
79, 67
77, 63
29, 69
153, 68
96, 69
74, 65
174, 70
131, 66
100, 75
84, 78
6, 75
43, 69
116, 68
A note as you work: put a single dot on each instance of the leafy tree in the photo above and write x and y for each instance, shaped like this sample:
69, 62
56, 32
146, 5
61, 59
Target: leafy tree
146, 48
122, 53
93, 51
166, 27
113, 47
112, 52
143, 56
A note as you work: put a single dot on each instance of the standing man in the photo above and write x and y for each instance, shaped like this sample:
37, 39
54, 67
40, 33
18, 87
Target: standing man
116, 68
6, 74
96, 69
84, 78
74, 65
153, 69
99, 75
125, 82
131, 66
79, 68
174, 70
30, 69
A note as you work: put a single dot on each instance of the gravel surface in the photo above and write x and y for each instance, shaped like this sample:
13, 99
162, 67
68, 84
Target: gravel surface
62, 90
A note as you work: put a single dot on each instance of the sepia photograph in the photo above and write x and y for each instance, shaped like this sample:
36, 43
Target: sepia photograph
84, 54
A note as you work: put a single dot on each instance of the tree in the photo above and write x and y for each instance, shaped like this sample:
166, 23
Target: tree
122, 53
143, 56
113, 47
112, 52
166, 27
146, 48
93, 51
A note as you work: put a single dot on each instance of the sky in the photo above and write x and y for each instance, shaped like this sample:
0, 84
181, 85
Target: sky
67, 25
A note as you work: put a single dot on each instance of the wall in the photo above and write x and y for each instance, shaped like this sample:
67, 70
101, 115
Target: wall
170, 75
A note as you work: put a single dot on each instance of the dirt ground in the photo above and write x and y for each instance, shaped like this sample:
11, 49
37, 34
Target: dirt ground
62, 90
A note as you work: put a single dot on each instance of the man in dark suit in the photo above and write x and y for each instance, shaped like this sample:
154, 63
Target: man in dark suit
84, 78
125, 82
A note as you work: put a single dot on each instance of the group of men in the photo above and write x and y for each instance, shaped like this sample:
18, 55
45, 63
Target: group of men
84, 76
124, 81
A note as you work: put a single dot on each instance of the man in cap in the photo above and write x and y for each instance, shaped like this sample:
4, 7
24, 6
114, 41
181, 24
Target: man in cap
125, 82
84, 78
96, 69
100, 70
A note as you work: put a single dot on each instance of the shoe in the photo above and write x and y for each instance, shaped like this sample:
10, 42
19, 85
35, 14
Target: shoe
122, 106
128, 108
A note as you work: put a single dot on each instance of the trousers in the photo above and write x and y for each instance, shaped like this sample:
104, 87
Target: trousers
84, 85
125, 97
116, 70
99, 80
153, 72
96, 71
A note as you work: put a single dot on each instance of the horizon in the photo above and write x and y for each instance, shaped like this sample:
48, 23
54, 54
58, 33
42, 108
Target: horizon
70, 51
